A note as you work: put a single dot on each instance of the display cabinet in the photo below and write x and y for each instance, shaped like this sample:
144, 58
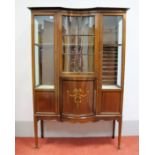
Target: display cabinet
78, 59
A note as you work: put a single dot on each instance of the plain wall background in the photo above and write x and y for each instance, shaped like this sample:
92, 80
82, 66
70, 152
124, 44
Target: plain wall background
23, 86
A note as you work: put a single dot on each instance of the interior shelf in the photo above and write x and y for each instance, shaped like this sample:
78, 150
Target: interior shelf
79, 35
111, 45
45, 87
78, 45
43, 44
110, 87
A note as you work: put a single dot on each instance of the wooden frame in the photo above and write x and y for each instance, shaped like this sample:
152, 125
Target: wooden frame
56, 114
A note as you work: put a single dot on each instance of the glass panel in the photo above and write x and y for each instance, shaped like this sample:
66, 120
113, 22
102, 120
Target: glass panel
78, 43
112, 52
112, 29
44, 51
78, 25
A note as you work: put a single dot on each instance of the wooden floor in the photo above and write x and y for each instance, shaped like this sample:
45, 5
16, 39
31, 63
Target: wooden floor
77, 146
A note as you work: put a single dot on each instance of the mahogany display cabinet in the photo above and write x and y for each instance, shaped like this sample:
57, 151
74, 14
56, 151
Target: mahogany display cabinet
78, 61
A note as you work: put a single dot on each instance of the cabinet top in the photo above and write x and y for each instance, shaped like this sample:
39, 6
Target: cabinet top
80, 9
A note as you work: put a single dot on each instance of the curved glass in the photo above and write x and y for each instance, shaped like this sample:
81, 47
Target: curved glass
78, 34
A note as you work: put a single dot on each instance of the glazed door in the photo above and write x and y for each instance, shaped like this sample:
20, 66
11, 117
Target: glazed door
112, 63
78, 35
44, 55
77, 65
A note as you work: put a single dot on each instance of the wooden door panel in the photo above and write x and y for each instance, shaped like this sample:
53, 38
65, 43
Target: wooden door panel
45, 102
110, 101
78, 97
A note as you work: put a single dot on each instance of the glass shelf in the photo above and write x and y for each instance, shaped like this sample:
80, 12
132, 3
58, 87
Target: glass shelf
44, 44
111, 45
76, 35
45, 87
78, 45
110, 87
78, 54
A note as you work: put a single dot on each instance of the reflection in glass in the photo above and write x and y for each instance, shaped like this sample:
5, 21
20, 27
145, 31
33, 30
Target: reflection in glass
78, 25
78, 43
112, 29
112, 51
44, 51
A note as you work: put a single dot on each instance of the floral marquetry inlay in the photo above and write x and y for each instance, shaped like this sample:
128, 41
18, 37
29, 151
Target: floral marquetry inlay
77, 94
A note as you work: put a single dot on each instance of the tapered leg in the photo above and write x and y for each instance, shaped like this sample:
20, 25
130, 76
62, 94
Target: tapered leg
42, 128
119, 132
36, 131
113, 131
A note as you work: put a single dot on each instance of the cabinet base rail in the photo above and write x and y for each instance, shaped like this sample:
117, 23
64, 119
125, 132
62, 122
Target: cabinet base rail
84, 120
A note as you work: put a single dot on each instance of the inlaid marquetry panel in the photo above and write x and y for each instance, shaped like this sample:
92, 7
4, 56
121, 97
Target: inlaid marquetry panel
78, 97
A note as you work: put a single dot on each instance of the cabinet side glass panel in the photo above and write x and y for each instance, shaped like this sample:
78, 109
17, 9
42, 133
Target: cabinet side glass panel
78, 34
44, 52
112, 52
